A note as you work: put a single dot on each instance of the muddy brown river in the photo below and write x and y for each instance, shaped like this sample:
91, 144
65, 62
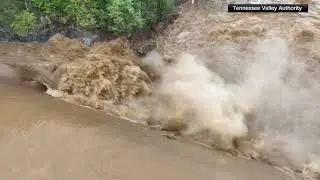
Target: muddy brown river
46, 138
265, 65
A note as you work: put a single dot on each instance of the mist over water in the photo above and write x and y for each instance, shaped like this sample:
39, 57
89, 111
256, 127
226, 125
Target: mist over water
271, 84
201, 99
286, 101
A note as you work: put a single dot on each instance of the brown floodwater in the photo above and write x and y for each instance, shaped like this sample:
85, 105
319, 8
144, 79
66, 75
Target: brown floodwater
46, 138
272, 57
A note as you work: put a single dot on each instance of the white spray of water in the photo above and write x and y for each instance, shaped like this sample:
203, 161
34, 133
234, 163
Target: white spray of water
283, 97
287, 104
191, 93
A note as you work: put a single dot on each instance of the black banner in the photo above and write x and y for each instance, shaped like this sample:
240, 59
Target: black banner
267, 7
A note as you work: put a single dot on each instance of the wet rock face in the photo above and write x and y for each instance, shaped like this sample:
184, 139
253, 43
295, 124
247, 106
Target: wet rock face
86, 37
44, 35
74, 32
141, 41
7, 34
4, 34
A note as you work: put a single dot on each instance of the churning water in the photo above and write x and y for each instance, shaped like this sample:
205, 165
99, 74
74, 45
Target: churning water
238, 75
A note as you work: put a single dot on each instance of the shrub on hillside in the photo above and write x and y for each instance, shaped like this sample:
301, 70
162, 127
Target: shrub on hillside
129, 15
23, 22
86, 13
8, 9
154, 10
115, 16
124, 16
54, 8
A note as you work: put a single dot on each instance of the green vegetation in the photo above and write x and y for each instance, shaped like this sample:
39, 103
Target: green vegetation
23, 22
8, 9
124, 16
114, 16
